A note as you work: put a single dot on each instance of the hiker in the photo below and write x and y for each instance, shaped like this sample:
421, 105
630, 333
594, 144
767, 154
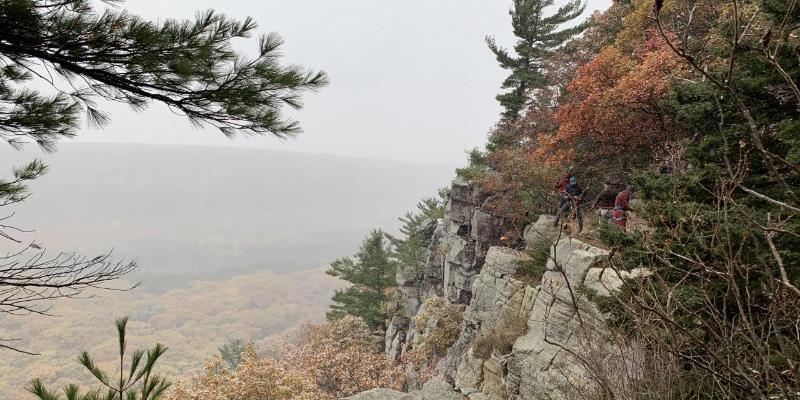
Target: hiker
561, 187
621, 206
605, 200
572, 196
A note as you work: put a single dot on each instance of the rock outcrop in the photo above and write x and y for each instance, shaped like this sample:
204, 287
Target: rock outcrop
456, 249
499, 312
518, 339
541, 361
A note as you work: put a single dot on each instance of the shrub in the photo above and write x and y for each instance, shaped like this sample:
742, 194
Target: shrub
446, 329
255, 378
531, 269
500, 340
342, 358
329, 361
477, 165
437, 326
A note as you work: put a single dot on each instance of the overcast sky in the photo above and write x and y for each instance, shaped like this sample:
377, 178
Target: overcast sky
410, 80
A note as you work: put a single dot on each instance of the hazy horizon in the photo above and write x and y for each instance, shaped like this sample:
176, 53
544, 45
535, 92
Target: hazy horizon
411, 81
212, 212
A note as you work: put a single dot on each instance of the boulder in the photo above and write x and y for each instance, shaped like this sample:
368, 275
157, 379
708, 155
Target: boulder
486, 231
458, 268
604, 281
574, 257
481, 379
461, 191
540, 363
395, 336
541, 229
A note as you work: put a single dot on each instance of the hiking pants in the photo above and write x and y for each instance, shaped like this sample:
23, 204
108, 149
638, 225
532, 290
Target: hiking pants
564, 212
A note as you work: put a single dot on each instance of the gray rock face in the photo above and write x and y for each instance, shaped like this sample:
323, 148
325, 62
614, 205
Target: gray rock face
541, 229
456, 249
530, 329
553, 313
395, 337
540, 361
605, 281
410, 280
500, 306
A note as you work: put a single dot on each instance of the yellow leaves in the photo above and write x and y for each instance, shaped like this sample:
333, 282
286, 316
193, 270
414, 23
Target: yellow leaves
255, 378
342, 358
329, 361
192, 321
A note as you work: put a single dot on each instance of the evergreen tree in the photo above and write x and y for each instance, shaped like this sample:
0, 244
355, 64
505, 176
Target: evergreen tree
724, 235
538, 36
371, 272
58, 58
85, 53
190, 66
231, 352
138, 383
409, 249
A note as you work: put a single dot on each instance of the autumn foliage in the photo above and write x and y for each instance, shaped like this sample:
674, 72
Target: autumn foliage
615, 111
599, 120
254, 378
328, 361
342, 358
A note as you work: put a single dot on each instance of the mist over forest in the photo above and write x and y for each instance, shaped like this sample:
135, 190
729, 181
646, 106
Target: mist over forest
213, 212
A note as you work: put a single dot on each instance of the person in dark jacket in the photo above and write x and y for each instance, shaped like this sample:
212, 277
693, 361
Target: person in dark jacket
572, 196
605, 200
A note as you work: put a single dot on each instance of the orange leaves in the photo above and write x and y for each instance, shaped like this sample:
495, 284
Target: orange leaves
614, 106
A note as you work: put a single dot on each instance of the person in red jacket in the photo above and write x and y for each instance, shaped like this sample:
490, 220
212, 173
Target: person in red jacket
621, 206
561, 188
571, 198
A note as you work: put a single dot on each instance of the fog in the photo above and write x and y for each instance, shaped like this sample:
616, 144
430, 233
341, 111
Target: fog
210, 211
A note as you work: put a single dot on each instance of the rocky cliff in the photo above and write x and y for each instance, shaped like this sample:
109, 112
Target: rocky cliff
520, 337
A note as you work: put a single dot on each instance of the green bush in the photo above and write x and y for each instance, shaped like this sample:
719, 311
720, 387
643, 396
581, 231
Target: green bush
532, 269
